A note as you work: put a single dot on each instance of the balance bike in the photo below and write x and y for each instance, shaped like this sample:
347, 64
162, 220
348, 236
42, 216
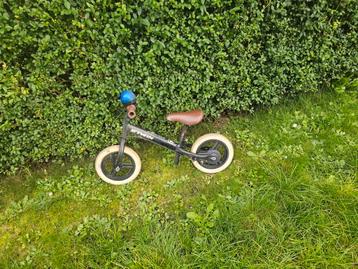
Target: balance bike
119, 164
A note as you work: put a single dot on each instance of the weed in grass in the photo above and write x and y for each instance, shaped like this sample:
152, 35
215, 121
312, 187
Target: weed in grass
94, 226
176, 181
204, 222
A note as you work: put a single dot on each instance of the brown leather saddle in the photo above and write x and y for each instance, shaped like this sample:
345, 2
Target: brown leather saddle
188, 118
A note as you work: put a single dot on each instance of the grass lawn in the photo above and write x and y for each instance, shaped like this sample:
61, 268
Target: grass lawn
289, 200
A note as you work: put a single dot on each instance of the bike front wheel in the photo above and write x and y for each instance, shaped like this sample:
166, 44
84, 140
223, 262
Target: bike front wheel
217, 144
112, 172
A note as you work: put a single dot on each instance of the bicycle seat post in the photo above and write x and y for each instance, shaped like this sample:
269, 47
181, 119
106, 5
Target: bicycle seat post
181, 143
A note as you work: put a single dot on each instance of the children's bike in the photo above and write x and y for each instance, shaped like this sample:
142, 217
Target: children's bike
119, 164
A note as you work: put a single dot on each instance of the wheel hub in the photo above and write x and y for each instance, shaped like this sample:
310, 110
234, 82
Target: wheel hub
214, 156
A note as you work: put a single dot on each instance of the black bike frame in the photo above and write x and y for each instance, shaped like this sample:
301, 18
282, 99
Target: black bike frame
155, 139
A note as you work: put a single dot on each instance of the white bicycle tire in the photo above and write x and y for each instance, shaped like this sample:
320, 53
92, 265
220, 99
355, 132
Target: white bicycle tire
213, 136
110, 150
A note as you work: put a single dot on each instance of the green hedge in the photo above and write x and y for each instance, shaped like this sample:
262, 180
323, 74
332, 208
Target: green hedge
63, 62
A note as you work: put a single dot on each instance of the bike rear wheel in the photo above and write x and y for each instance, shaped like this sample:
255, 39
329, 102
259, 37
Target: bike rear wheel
213, 143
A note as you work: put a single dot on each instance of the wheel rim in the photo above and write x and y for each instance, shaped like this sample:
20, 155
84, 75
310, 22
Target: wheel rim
213, 145
117, 172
